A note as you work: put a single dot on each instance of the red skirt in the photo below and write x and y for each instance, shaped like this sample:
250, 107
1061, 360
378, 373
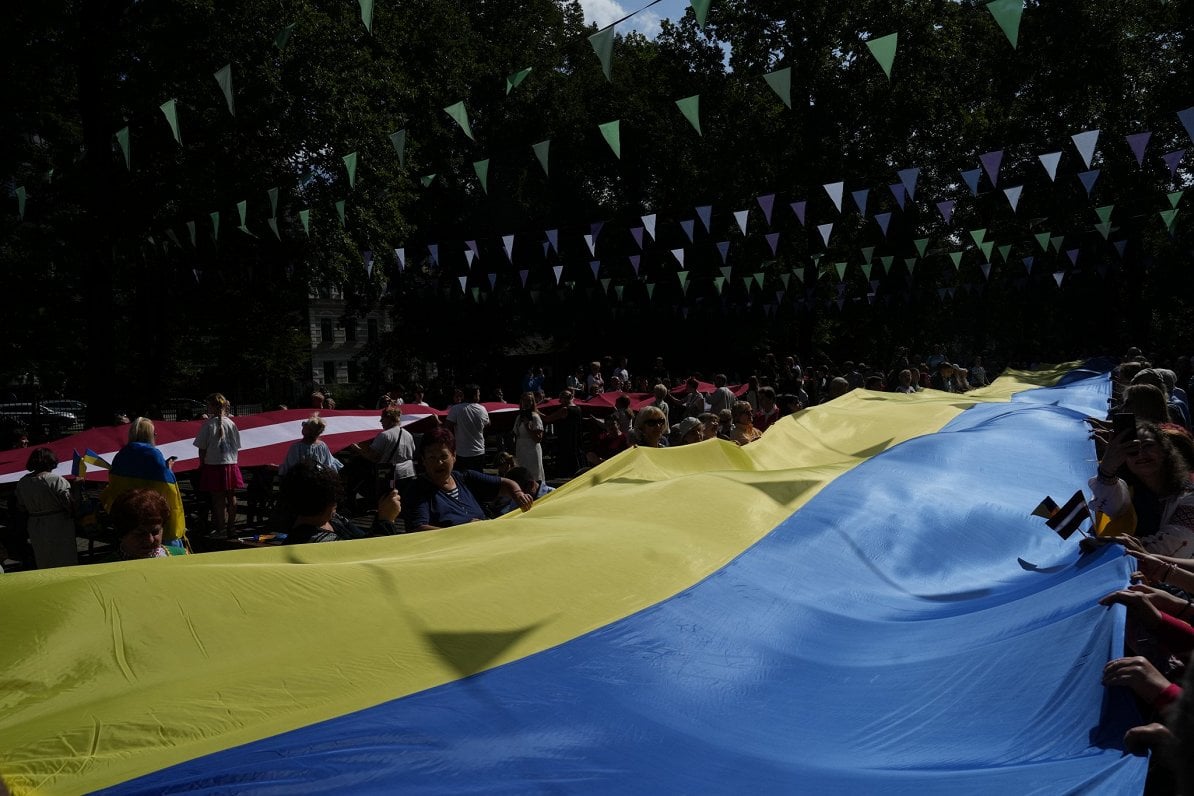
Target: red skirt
220, 478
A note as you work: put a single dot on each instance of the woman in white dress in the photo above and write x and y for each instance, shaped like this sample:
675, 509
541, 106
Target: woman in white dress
528, 437
47, 499
219, 444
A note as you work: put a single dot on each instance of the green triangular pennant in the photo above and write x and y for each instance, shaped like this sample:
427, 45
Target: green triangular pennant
170, 110
1056, 241
350, 165
619, 289
986, 248
691, 108
273, 225
758, 277
242, 209
245, 230
957, 258
1042, 240
785, 278
272, 193
284, 36
1004, 251
841, 270
921, 245
427, 179
191, 229
1104, 212
398, 139
781, 83
340, 211
305, 218
683, 277
541, 150
1104, 229
605, 283
459, 113
866, 271
1174, 198
978, 235
868, 253
884, 50
482, 169
513, 80
367, 14
603, 45
1168, 216
1007, 14
613, 136
650, 290
910, 264
223, 77
700, 9
720, 283
215, 225
21, 196
122, 138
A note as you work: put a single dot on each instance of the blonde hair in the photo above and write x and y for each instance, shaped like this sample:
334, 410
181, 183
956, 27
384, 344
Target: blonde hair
313, 426
648, 413
141, 430
221, 405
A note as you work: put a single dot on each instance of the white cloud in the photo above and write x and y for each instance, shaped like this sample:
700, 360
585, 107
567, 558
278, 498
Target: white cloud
603, 12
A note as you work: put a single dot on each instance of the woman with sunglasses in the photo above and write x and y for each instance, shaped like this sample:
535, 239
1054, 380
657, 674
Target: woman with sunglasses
1155, 485
650, 427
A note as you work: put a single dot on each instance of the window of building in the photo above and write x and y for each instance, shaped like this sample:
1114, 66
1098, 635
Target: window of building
350, 330
354, 372
326, 333
329, 372
371, 330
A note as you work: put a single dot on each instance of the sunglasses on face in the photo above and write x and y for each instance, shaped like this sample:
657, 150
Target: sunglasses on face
656, 422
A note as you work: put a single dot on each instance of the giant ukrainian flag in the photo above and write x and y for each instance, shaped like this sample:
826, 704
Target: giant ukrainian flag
858, 603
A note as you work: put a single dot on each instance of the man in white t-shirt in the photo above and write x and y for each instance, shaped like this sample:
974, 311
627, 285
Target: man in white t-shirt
721, 398
468, 421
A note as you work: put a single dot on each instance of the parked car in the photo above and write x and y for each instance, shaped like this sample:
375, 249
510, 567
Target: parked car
49, 422
67, 405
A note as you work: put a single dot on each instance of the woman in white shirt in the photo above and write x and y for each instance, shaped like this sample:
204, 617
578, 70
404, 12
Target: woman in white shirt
219, 443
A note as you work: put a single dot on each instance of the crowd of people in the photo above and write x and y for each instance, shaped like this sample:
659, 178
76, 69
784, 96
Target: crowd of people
1142, 495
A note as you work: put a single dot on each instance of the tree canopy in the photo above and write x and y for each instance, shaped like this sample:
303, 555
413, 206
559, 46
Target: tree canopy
324, 124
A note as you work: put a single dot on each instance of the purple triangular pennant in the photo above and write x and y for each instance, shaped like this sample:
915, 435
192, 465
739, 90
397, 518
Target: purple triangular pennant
766, 202
946, 209
1088, 179
492, 280
508, 245
637, 234
859, 198
634, 262
908, 177
1138, 142
1050, 161
725, 272
1085, 143
991, 161
522, 276
1121, 246
679, 255
596, 266
883, 220
1172, 159
558, 270
553, 237
1058, 276
592, 244
899, 192
469, 257
826, 230
705, 214
798, 209
689, 227
834, 189
773, 241
971, 178
400, 257
463, 283
595, 229
986, 269
1073, 255
723, 248
1013, 195
546, 248
433, 250
1028, 264
1187, 120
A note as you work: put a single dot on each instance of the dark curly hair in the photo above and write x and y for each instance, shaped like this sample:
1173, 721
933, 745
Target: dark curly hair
309, 488
42, 460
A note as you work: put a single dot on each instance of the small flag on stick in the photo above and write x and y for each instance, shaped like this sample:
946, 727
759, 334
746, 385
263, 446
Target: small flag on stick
1070, 517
